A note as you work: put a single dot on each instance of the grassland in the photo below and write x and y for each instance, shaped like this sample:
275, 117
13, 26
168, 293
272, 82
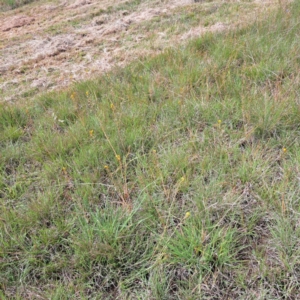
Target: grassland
47, 45
176, 177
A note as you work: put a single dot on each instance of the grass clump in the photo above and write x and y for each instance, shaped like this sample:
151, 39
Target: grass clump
174, 178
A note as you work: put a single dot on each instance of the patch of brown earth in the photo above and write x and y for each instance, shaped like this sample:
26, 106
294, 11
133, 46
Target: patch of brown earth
16, 21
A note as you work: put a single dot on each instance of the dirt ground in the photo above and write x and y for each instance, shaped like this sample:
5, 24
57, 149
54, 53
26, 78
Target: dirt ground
48, 45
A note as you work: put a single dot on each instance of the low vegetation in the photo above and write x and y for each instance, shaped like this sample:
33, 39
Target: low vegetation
176, 177
11, 4
47, 45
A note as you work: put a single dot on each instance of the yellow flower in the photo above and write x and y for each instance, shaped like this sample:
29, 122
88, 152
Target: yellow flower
112, 106
187, 214
106, 167
284, 150
118, 157
91, 132
182, 179
64, 170
219, 122
87, 93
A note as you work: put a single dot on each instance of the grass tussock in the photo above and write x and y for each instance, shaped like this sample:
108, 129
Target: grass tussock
174, 178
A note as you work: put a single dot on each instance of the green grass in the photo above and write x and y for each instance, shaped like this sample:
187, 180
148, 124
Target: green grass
11, 4
174, 178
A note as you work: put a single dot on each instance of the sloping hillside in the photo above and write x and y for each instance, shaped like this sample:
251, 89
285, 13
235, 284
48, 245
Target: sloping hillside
48, 45
174, 177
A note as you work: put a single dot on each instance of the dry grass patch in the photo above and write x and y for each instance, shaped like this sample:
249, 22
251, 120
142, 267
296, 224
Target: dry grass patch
50, 45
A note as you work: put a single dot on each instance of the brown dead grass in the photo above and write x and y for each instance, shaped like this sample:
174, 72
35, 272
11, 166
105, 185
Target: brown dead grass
49, 45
